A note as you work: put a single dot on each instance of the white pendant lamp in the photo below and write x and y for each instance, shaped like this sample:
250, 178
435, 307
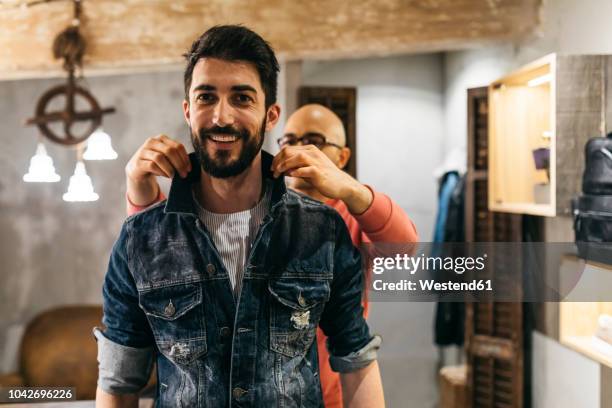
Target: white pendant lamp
41, 168
80, 187
99, 147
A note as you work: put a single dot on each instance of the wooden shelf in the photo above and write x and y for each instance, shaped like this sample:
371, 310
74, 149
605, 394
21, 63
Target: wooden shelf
578, 319
522, 112
525, 208
592, 347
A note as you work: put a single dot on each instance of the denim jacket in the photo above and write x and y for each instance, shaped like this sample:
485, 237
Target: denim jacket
167, 295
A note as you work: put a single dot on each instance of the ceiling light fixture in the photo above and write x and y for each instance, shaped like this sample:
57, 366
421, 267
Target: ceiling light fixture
99, 147
80, 187
41, 168
70, 46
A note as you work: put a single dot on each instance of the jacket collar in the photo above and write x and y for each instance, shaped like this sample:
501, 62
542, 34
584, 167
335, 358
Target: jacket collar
180, 198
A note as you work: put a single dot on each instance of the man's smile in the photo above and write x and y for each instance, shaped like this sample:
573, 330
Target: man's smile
223, 141
223, 138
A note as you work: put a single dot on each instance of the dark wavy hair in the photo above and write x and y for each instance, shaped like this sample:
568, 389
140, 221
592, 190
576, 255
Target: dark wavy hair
235, 43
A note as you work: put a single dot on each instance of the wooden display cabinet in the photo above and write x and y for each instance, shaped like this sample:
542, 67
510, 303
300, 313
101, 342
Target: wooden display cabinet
572, 365
540, 118
577, 318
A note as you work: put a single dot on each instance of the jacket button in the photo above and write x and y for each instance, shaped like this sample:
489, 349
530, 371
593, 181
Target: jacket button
210, 269
169, 309
238, 392
225, 332
301, 300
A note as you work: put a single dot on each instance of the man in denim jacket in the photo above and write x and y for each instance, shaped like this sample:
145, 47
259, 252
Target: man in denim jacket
226, 281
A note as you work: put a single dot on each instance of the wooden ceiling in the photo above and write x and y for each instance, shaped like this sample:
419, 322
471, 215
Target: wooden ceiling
129, 35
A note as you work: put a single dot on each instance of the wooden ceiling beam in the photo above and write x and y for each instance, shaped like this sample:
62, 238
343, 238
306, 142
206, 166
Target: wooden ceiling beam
126, 35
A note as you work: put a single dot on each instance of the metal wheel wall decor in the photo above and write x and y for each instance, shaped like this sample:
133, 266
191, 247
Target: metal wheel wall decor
70, 46
69, 116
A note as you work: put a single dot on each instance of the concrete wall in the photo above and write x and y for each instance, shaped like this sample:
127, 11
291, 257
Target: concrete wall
54, 252
400, 143
563, 378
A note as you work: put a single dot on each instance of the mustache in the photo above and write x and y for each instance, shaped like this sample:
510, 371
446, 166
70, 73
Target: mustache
225, 130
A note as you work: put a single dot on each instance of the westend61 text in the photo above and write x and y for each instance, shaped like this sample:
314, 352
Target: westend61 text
432, 285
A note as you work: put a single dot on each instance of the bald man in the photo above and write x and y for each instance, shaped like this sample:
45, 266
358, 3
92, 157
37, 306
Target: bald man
312, 156
316, 150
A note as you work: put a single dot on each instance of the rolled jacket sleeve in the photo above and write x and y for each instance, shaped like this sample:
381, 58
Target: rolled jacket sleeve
122, 369
357, 359
350, 344
126, 347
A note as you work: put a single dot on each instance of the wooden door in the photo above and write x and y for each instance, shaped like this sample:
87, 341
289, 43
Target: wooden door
494, 331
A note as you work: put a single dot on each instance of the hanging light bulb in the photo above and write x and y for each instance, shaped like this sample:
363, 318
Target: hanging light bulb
99, 147
80, 187
41, 168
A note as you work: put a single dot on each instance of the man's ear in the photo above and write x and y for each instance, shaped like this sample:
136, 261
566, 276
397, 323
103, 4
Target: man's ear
272, 116
186, 110
345, 156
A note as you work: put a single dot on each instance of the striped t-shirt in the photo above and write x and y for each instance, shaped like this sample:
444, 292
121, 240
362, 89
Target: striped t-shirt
233, 234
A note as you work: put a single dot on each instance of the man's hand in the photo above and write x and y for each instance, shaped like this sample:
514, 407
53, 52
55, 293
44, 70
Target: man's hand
311, 164
158, 156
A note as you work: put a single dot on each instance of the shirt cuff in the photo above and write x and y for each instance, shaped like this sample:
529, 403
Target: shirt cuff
357, 359
377, 215
122, 369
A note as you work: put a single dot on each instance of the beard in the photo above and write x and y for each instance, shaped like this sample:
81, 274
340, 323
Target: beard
221, 164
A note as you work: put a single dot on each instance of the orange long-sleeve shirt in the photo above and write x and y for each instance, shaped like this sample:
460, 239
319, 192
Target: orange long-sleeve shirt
383, 221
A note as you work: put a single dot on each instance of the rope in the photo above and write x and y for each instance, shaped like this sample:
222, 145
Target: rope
69, 45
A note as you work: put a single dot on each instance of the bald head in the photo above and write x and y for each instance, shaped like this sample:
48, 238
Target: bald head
315, 118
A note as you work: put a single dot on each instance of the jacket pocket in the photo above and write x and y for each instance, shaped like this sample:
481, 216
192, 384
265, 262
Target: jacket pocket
296, 305
176, 316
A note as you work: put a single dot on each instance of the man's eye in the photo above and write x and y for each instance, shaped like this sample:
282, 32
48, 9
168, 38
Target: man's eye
243, 98
205, 97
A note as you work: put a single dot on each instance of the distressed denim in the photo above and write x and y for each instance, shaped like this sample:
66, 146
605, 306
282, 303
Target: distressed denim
167, 295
